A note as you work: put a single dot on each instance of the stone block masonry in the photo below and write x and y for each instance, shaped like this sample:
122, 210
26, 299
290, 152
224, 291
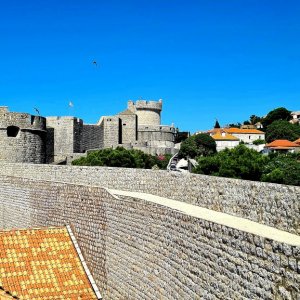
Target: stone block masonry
271, 204
138, 249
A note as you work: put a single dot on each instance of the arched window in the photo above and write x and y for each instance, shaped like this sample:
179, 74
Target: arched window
12, 131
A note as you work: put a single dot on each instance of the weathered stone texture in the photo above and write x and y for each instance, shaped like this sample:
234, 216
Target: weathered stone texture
271, 204
22, 137
91, 137
140, 250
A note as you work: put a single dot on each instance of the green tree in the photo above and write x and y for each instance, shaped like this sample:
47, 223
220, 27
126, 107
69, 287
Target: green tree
234, 125
121, 157
181, 136
282, 130
239, 162
255, 119
217, 124
259, 142
277, 114
197, 145
283, 169
206, 145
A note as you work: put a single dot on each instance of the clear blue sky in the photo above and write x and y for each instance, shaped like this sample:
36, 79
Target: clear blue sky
224, 59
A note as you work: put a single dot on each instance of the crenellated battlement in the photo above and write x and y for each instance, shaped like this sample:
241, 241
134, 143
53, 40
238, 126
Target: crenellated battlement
21, 120
148, 112
144, 104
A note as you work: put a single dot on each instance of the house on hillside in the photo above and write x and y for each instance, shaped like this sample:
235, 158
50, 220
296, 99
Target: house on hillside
225, 140
233, 136
248, 136
297, 141
295, 117
282, 146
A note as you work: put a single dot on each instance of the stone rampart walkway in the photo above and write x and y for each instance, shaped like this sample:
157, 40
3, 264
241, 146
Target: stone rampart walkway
217, 217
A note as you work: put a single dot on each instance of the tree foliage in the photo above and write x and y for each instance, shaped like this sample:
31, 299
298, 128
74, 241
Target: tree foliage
277, 114
255, 119
121, 157
197, 145
234, 125
217, 124
239, 162
259, 142
244, 163
181, 136
282, 130
283, 169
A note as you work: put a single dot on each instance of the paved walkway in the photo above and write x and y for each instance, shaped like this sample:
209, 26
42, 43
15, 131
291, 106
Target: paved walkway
217, 217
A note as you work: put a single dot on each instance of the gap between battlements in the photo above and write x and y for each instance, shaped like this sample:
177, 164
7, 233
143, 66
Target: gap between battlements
217, 217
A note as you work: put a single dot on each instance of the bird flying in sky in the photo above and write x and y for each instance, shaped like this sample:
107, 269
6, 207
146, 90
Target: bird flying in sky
38, 112
95, 63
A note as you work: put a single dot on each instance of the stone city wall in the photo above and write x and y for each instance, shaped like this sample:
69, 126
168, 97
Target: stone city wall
271, 204
140, 250
92, 137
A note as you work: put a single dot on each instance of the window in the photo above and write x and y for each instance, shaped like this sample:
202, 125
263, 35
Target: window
12, 131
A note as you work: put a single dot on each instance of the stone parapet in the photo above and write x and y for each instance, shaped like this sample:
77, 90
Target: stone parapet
270, 204
137, 249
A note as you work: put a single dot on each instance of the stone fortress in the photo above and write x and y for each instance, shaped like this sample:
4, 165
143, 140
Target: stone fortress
35, 139
149, 234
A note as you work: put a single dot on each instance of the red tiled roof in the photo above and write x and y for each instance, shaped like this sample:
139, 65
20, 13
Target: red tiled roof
236, 130
297, 141
245, 131
4, 295
227, 137
282, 143
43, 264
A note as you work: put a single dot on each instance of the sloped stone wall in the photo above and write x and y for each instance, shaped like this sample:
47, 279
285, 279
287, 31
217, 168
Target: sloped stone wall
271, 204
139, 250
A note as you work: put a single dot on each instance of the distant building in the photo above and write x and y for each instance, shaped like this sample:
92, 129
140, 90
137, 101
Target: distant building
297, 141
248, 136
35, 139
225, 140
282, 146
295, 117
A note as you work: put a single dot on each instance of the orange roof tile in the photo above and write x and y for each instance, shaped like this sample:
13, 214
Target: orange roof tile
246, 131
42, 264
282, 143
297, 141
227, 137
4, 295
236, 130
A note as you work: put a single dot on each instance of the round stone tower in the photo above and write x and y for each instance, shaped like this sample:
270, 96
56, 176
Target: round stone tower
22, 137
148, 112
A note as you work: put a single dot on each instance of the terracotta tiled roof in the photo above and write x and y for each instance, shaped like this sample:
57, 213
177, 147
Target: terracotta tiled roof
236, 130
227, 137
42, 264
246, 131
282, 143
4, 295
297, 141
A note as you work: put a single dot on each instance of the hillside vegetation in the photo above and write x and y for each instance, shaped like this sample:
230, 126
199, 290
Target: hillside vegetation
121, 157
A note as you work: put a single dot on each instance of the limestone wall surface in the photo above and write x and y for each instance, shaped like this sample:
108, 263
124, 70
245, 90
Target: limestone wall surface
271, 204
92, 137
22, 137
140, 250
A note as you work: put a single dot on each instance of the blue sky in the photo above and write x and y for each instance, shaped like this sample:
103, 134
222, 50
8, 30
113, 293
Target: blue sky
224, 59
